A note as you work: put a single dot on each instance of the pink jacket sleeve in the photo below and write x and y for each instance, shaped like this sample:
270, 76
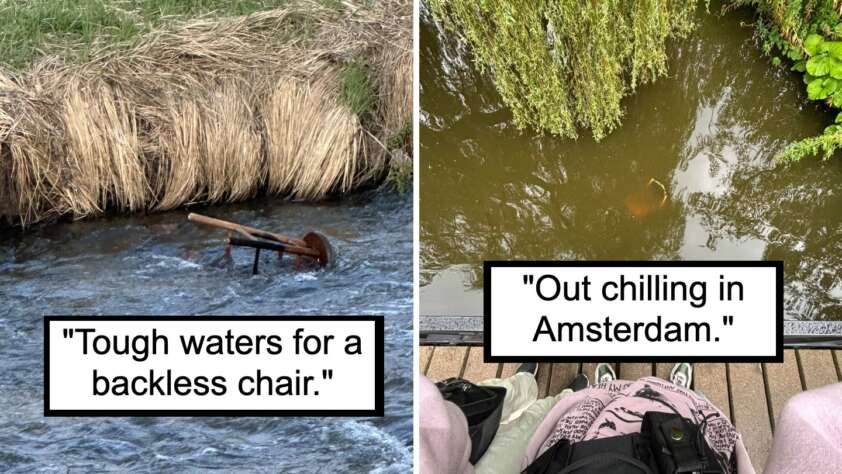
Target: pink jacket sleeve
808, 434
445, 446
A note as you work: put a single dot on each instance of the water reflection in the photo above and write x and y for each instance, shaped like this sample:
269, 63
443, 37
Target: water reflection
708, 132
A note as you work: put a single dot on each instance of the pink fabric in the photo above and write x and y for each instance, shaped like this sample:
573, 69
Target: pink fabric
617, 408
808, 433
445, 443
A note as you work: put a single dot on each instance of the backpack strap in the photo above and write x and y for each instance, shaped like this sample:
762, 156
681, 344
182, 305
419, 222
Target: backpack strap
613, 458
605, 455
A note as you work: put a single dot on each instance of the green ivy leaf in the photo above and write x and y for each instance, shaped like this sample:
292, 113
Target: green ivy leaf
794, 54
835, 69
838, 118
812, 44
836, 98
808, 78
829, 86
822, 87
776, 61
818, 65
800, 66
814, 90
834, 48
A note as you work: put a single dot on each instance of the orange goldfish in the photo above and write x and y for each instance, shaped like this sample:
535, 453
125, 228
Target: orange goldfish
652, 197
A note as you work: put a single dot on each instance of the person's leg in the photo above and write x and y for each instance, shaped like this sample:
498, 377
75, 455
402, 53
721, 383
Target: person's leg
443, 432
509, 445
682, 375
529, 368
521, 391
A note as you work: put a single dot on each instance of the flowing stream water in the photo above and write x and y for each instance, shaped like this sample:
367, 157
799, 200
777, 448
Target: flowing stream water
163, 264
708, 133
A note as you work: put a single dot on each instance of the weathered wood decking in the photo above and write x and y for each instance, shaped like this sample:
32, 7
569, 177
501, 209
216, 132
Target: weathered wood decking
752, 395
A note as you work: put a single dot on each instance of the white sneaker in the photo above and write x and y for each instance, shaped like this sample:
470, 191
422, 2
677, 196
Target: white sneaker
604, 373
682, 375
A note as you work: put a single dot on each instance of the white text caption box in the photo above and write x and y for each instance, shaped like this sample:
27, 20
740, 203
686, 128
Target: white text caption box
278, 367
523, 323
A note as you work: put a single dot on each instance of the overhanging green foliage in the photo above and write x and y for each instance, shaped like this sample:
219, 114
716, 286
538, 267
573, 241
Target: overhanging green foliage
809, 33
562, 65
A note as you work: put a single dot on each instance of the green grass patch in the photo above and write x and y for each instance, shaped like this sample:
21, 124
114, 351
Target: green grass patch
400, 174
71, 28
401, 140
357, 90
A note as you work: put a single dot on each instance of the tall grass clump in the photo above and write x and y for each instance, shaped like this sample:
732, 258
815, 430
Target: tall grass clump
395, 86
300, 155
565, 65
102, 166
215, 109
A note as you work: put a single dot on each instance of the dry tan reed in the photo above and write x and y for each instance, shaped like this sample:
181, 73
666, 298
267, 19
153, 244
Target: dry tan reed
209, 111
234, 163
396, 86
180, 171
30, 144
104, 165
312, 139
209, 148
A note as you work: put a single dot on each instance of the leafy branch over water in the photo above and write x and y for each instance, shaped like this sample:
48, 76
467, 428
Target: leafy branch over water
562, 65
565, 65
808, 33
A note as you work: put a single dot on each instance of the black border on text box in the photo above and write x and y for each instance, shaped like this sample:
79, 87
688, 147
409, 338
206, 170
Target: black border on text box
378, 369
779, 308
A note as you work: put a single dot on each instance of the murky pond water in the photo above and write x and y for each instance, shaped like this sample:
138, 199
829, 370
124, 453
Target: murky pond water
708, 133
162, 264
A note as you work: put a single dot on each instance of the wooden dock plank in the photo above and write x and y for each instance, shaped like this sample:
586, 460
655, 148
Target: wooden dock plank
629, 371
784, 382
561, 376
711, 381
508, 369
663, 370
447, 362
476, 370
817, 367
751, 414
588, 369
543, 379
424, 355
837, 358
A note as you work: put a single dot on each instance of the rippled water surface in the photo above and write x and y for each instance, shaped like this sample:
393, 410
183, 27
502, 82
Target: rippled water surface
162, 264
708, 133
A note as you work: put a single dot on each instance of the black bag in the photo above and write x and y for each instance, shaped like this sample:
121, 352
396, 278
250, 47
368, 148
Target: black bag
482, 407
626, 454
666, 444
678, 445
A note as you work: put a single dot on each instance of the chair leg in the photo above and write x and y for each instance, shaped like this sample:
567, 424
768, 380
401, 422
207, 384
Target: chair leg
256, 261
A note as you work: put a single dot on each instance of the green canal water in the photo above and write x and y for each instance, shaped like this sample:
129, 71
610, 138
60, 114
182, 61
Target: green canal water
708, 133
